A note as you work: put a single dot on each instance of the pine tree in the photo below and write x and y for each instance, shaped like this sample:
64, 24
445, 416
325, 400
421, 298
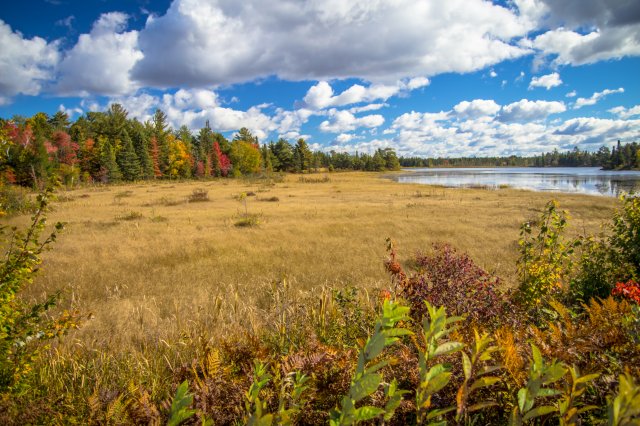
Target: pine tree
127, 159
110, 170
160, 131
140, 139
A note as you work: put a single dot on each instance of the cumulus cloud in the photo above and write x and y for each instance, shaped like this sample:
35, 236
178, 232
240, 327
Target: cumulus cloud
443, 134
344, 121
613, 30
574, 48
625, 113
526, 110
321, 95
217, 42
571, 94
25, 64
476, 108
597, 131
344, 137
547, 81
580, 102
101, 60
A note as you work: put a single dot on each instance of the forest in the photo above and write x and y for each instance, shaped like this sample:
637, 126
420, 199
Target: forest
620, 157
108, 147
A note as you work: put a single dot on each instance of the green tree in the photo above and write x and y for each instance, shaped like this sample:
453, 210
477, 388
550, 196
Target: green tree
127, 159
302, 156
109, 167
245, 157
283, 152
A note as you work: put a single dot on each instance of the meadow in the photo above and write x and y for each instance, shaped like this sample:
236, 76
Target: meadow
162, 272
141, 257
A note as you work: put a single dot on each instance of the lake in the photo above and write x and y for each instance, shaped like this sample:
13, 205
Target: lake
583, 180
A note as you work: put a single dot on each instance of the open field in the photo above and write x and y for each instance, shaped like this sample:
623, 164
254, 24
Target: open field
146, 263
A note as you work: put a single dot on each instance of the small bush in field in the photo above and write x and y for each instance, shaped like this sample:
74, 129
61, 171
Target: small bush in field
198, 195
270, 199
132, 215
14, 199
248, 221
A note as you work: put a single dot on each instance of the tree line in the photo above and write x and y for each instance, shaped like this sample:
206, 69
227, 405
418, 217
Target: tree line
621, 157
111, 147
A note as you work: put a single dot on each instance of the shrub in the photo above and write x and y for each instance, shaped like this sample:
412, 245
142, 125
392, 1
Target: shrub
198, 195
131, 215
14, 199
248, 221
447, 278
545, 258
625, 239
23, 325
324, 179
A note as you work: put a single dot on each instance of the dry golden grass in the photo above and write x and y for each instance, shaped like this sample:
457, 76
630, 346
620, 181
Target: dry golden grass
148, 264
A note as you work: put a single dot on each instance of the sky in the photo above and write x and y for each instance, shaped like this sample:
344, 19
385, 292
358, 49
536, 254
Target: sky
425, 77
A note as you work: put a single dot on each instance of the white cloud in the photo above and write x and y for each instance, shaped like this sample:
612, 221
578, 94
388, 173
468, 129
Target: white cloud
476, 108
217, 42
101, 61
344, 121
493, 74
70, 111
321, 95
571, 94
580, 102
625, 113
344, 137
441, 134
417, 83
547, 81
526, 110
574, 48
365, 108
25, 64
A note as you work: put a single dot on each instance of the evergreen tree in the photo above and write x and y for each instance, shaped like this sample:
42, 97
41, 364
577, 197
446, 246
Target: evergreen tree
266, 159
127, 159
160, 132
302, 156
110, 172
140, 138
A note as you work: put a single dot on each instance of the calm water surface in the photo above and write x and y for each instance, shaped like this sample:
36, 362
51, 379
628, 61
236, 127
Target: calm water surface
583, 180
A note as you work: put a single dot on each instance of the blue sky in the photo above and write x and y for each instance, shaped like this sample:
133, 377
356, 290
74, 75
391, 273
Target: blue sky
426, 77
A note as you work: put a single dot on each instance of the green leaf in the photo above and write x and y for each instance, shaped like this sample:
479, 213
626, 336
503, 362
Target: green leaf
374, 346
481, 406
539, 411
438, 382
587, 378
365, 386
483, 382
447, 348
376, 367
179, 406
523, 397
439, 412
367, 413
466, 366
